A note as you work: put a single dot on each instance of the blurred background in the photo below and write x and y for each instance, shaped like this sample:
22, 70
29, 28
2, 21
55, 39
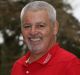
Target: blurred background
11, 41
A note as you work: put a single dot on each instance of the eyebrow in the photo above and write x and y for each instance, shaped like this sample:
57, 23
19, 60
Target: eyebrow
41, 23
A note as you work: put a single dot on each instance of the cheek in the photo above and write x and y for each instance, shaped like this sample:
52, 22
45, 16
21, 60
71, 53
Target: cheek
25, 33
47, 33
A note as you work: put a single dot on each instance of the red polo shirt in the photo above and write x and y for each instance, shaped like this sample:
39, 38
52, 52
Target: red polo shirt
56, 62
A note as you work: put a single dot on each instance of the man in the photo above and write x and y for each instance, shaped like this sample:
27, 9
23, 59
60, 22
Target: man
39, 28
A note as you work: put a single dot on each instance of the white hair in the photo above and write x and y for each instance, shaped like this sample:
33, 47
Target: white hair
39, 5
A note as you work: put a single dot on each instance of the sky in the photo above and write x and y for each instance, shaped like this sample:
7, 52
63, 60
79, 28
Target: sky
1, 38
75, 5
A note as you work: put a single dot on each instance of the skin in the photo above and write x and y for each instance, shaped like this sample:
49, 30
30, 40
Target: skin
38, 33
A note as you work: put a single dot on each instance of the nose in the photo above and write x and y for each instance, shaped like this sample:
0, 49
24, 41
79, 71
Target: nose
33, 30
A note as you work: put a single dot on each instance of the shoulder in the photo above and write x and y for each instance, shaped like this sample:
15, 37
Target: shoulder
22, 59
66, 61
17, 66
63, 55
66, 55
19, 62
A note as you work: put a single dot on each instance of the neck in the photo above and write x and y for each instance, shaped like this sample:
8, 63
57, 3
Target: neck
34, 57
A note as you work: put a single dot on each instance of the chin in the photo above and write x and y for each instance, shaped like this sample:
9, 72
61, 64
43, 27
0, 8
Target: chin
36, 50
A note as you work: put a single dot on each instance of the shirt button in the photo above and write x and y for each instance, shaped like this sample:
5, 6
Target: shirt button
27, 72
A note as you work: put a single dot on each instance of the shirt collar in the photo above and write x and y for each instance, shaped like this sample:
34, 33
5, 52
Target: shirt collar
47, 57
44, 59
50, 54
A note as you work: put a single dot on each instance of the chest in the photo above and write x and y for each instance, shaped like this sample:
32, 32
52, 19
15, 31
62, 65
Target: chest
38, 69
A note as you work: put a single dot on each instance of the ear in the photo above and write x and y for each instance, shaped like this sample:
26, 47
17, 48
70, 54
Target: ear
55, 28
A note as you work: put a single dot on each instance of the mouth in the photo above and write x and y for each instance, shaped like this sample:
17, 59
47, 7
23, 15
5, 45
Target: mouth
35, 40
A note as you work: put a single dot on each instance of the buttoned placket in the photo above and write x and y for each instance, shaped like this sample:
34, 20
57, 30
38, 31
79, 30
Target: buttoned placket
27, 69
27, 65
27, 72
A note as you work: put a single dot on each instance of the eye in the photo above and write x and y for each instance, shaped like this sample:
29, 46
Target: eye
41, 25
27, 26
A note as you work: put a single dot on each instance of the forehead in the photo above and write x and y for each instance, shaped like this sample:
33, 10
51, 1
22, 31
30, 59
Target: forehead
38, 14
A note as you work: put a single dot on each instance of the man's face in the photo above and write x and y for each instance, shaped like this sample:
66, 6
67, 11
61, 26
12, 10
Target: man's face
38, 31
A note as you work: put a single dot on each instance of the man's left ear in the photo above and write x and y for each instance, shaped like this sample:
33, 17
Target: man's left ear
56, 27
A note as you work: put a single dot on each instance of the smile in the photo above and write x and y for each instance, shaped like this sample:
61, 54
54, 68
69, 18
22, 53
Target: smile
35, 39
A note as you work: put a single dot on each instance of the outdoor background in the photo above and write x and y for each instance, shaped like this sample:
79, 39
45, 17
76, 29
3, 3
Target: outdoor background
11, 41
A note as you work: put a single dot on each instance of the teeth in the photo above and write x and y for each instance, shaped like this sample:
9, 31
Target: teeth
35, 39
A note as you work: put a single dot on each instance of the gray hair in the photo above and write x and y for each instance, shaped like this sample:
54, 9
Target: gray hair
40, 5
